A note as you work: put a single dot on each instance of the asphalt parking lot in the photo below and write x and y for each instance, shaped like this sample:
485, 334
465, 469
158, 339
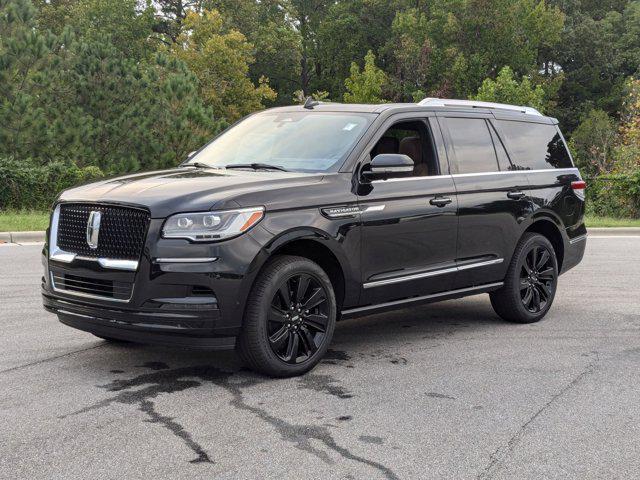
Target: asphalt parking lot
442, 391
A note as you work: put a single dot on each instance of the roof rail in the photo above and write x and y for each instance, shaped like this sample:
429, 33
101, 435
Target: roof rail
445, 102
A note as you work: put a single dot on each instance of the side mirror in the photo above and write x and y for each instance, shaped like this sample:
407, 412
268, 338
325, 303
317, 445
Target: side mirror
388, 165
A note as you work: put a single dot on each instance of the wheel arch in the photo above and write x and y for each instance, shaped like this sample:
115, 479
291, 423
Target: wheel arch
317, 246
548, 227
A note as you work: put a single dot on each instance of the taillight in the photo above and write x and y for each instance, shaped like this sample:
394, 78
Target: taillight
578, 185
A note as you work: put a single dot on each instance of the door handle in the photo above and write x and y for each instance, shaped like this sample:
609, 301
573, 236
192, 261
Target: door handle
440, 201
516, 195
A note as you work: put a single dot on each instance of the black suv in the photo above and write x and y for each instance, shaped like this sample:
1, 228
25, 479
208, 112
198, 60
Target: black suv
297, 217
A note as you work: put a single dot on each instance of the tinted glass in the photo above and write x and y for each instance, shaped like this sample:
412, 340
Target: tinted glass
503, 158
534, 146
473, 145
302, 141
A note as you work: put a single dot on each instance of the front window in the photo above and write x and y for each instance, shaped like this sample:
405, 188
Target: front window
297, 141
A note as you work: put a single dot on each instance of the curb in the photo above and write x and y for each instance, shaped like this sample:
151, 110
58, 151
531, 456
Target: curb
22, 237
614, 231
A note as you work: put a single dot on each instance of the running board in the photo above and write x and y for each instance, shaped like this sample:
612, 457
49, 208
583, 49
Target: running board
408, 302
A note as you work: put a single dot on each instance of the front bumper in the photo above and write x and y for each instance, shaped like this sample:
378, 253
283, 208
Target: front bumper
163, 306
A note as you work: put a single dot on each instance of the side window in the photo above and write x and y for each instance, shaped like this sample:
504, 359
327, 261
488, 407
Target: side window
534, 146
473, 146
412, 138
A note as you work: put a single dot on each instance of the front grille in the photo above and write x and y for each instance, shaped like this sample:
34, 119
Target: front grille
122, 231
97, 287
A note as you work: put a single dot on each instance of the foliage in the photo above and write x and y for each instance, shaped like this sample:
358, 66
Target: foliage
593, 141
26, 184
506, 89
220, 58
627, 151
365, 86
614, 195
86, 102
449, 48
122, 85
599, 49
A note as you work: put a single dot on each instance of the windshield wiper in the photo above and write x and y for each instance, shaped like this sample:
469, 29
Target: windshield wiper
257, 166
199, 165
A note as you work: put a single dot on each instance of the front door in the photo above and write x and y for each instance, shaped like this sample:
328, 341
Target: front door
409, 225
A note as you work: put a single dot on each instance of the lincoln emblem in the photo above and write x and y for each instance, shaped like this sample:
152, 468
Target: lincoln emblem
93, 228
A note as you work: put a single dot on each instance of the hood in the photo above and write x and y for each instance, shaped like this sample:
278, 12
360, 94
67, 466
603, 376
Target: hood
186, 189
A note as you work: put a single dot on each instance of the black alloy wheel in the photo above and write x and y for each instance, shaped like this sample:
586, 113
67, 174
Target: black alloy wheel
289, 319
530, 282
298, 318
537, 279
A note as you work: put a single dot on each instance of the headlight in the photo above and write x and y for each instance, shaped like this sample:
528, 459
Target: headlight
211, 226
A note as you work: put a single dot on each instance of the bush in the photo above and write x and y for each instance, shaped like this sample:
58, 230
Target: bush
614, 195
26, 185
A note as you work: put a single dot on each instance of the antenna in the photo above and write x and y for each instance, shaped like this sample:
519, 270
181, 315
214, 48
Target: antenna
309, 103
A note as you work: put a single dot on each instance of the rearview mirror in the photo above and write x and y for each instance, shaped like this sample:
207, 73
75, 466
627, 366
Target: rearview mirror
388, 165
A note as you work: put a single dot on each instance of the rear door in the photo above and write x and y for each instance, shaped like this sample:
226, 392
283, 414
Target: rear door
539, 149
492, 198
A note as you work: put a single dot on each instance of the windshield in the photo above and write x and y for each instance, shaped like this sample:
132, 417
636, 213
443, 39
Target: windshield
299, 141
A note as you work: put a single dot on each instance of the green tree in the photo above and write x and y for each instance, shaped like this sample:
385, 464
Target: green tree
627, 151
599, 50
127, 23
365, 86
593, 141
506, 89
451, 46
26, 59
220, 58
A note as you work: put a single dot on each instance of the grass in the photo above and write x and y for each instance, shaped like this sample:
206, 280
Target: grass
23, 220
27, 220
611, 222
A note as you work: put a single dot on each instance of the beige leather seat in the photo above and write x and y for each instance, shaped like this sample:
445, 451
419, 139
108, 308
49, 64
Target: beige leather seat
412, 147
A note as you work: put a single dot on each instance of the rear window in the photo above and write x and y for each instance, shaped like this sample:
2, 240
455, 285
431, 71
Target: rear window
534, 146
472, 144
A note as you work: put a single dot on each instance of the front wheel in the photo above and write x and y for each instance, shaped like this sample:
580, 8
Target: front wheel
531, 281
289, 318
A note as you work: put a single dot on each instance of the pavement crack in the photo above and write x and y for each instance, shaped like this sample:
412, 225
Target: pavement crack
498, 457
50, 359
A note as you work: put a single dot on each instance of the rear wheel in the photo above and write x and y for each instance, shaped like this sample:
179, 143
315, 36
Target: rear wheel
531, 281
289, 319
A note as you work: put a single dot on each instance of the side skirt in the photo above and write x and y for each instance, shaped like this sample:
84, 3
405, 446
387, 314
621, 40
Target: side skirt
413, 301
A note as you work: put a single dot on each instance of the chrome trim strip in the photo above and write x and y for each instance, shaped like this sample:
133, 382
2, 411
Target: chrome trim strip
374, 208
462, 175
186, 260
506, 172
394, 303
89, 295
56, 253
485, 263
432, 273
130, 265
578, 239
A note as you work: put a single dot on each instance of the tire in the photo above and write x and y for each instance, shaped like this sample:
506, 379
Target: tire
531, 281
272, 330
